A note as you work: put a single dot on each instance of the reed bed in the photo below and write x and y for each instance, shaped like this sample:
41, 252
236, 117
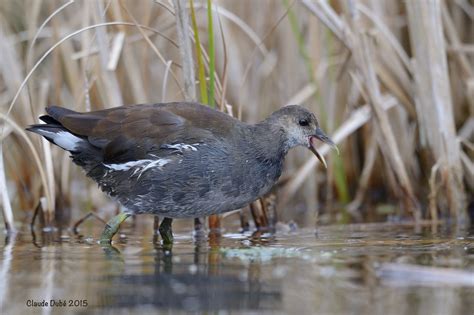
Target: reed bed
391, 81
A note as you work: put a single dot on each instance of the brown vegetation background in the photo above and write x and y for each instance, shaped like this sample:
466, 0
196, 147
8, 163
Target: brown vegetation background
391, 81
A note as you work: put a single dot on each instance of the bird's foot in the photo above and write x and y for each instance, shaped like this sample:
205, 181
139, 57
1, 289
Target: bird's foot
112, 227
75, 228
167, 236
166, 232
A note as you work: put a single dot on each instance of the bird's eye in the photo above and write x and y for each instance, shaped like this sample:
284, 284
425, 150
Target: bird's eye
303, 122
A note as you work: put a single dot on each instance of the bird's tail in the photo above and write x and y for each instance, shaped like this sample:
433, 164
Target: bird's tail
54, 132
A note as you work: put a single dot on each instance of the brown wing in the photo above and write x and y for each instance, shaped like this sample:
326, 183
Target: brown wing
130, 132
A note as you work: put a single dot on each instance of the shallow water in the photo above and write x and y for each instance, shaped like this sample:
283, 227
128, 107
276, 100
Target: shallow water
356, 269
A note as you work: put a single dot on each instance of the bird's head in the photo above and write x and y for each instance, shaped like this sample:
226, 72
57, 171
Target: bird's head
301, 128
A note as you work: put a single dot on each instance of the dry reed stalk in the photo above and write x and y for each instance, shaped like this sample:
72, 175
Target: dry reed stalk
29, 55
468, 169
369, 163
254, 53
212, 59
362, 50
240, 23
165, 81
199, 58
112, 93
6, 272
11, 67
153, 46
21, 132
302, 95
356, 41
223, 101
6, 203
65, 177
451, 34
50, 210
184, 39
209, 59
434, 104
19, 94
56, 45
48, 159
393, 67
132, 39
323, 11
62, 59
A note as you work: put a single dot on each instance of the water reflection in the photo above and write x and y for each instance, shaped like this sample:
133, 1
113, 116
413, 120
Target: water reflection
341, 269
5, 269
189, 281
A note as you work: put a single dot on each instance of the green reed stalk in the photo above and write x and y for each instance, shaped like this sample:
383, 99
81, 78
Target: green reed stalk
210, 30
199, 57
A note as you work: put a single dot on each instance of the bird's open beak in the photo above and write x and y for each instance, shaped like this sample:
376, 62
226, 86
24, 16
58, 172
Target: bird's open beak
320, 135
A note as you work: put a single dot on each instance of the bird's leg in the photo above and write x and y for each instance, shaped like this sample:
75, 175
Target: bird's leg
75, 227
156, 225
199, 228
214, 223
112, 227
198, 225
214, 226
165, 231
254, 210
244, 221
264, 213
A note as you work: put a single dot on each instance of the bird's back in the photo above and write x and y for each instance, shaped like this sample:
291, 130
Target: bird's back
174, 159
128, 133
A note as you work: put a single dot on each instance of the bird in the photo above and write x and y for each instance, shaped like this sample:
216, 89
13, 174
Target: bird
179, 159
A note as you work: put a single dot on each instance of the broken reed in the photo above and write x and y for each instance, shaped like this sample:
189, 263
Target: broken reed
367, 67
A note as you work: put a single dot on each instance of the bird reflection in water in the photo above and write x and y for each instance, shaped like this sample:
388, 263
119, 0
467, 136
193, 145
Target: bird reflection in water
192, 280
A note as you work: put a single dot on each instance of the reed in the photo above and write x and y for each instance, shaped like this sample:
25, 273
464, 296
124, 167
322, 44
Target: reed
199, 58
212, 58
391, 81
434, 106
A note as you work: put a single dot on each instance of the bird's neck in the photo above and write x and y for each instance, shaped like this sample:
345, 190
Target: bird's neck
272, 141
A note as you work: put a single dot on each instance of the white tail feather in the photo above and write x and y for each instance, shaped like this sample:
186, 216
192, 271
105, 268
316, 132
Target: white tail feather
64, 139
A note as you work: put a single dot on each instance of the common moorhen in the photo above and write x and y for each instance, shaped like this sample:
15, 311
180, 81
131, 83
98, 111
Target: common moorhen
179, 160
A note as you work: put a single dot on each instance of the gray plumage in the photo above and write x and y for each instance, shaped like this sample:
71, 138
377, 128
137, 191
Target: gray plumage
179, 160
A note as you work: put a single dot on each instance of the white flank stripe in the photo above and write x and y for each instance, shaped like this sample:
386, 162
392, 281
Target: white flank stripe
127, 166
141, 165
182, 146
